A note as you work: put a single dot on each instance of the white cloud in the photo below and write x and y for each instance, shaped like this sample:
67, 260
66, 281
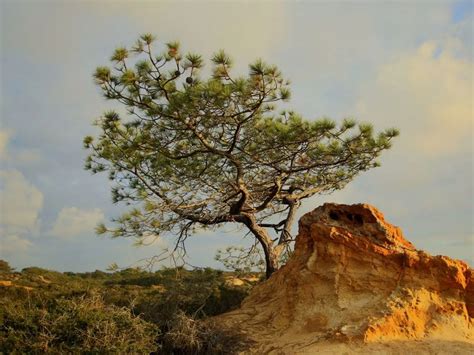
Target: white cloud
20, 201
14, 244
73, 221
16, 156
249, 30
246, 29
27, 156
349, 33
428, 95
4, 136
20, 204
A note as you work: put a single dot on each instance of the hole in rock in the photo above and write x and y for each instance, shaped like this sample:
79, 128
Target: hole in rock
333, 215
359, 219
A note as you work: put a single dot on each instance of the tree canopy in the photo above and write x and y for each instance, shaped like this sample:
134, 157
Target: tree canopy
196, 152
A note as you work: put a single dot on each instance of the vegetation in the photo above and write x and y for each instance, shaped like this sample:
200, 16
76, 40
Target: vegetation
197, 153
127, 311
5, 267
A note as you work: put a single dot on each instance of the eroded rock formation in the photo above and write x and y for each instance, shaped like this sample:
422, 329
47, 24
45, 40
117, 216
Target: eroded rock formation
355, 278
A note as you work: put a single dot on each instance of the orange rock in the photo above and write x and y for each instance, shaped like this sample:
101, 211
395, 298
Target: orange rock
353, 273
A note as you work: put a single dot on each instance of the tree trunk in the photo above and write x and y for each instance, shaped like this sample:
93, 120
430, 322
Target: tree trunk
271, 261
270, 252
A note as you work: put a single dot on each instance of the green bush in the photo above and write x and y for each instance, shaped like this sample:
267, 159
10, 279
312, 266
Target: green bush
198, 293
5, 267
120, 312
80, 324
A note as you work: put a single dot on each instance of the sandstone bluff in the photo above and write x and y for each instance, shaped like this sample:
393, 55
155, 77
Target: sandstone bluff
355, 285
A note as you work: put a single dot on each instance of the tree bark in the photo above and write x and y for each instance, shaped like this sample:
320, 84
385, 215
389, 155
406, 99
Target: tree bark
271, 259
271, 255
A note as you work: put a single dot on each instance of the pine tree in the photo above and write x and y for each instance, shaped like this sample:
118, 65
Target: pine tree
198, 153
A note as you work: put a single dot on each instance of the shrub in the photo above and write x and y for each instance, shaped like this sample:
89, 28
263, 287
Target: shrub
79, 324
119, 312
199, 293
190, 336
5, 267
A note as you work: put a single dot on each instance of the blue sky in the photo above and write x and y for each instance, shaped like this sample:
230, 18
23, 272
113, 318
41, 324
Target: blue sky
403, 64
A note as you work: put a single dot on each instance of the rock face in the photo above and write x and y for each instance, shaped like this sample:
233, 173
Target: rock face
354, 278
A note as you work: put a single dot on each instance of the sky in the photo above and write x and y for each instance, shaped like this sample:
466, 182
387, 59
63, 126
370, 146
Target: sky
404, 64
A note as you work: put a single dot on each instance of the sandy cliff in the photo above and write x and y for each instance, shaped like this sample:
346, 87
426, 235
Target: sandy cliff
356, 285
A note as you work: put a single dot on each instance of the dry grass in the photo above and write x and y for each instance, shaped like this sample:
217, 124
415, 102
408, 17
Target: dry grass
82, 323
189, 336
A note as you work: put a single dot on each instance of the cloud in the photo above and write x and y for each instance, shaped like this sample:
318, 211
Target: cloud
27, 156
248, 32
16, 156
425, 180
4, 137
428, 95
72, 221
350, 33
20, 205
14, 244
20, 201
